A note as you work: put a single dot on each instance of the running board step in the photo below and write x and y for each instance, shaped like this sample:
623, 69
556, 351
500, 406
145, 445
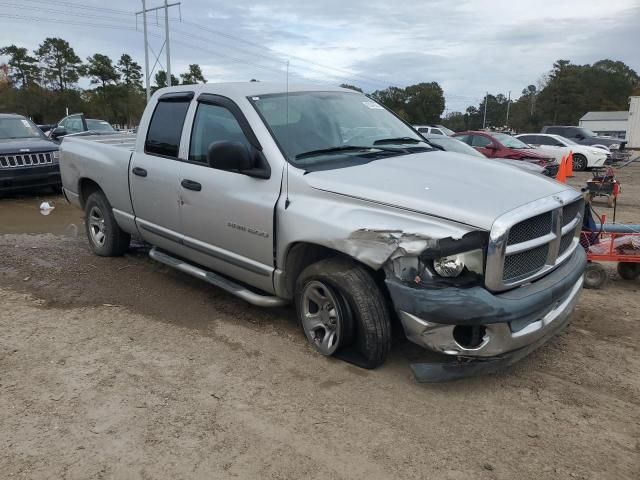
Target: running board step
217, 280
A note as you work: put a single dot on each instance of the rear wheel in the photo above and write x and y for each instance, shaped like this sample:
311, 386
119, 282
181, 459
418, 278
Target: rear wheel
106, 238
595, 276
579, 162
628, 270
340, 308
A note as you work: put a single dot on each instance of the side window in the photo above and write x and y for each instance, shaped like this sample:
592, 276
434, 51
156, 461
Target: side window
74, 125
165, 128
464, 138
213, 123
529, 139
479, 141
423, 130
436, 131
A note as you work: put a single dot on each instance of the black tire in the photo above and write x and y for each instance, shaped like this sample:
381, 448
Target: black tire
595, 276
579, 162
367, 329
57, 189
628, 270
115, 242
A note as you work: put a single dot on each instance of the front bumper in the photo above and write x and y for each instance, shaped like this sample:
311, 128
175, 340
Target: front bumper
510, 323
29, 177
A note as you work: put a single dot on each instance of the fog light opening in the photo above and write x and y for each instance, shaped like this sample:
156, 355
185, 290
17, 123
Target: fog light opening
469, 336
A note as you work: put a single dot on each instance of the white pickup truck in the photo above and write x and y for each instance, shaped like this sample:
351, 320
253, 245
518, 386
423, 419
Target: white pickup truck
322, 197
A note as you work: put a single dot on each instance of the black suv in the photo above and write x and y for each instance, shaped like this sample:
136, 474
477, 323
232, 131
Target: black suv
584, 136
27, 157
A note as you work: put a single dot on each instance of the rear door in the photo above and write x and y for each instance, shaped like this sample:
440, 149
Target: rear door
154, 174
228, 218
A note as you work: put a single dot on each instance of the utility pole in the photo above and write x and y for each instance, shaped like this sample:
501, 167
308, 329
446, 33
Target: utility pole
166, 30
508, 105
146, 50
144, 12
484, 120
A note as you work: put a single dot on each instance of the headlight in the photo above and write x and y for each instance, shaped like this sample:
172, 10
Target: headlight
56, 155
614, 146
453, 265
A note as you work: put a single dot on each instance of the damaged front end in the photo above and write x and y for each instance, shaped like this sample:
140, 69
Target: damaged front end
439, 295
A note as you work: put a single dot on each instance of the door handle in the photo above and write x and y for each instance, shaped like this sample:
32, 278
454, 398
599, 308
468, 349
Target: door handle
141, 172
191, 185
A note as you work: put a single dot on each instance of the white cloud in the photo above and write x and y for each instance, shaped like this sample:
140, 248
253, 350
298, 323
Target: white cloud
467, 46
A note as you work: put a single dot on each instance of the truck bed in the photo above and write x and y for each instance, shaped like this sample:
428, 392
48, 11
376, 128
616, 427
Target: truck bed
100, 158
123, 140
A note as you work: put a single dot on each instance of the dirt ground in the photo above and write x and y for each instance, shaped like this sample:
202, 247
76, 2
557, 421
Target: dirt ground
123, 368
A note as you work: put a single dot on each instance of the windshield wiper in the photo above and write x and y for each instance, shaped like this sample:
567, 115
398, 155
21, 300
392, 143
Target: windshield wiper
399, 140
343, 148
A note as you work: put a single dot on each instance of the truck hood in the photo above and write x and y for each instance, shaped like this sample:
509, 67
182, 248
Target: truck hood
458, 187
26, 145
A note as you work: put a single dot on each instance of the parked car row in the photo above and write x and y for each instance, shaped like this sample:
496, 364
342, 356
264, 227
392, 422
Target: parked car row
503, 146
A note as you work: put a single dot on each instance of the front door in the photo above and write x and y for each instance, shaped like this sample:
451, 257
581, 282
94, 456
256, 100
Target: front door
154, 175
227, 217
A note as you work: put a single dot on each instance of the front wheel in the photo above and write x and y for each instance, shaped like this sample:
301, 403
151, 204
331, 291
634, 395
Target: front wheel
343, 312
106, 238
579, 162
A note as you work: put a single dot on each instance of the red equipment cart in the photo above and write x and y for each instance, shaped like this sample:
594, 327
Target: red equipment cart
621, 246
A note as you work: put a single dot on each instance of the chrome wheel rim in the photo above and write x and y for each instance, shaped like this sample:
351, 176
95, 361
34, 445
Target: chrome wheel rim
321, 317
579, 163
96, 227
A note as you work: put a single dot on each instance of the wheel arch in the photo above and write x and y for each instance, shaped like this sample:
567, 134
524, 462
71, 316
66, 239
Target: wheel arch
300, 255
87, 186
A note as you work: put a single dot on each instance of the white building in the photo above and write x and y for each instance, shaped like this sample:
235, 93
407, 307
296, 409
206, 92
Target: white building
633, 123
613, 124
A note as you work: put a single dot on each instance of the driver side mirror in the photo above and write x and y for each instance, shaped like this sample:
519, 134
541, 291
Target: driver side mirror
491, 146
58, 132
579, 136
234, 156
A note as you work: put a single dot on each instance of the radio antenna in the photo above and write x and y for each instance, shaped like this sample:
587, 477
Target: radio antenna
286, 132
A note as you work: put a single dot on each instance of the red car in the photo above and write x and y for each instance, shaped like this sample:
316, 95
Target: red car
501, 145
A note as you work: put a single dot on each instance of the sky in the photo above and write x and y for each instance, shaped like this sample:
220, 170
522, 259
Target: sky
468, 46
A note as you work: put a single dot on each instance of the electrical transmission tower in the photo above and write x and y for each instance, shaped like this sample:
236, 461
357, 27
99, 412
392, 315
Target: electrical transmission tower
166, 45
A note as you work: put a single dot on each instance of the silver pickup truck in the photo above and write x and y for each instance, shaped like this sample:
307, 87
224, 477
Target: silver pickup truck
322, 197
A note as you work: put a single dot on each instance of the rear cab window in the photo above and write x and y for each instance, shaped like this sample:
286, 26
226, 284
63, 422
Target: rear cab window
165, 127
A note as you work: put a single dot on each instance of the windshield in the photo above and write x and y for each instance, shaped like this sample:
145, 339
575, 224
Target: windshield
323, 125
99, 126
509, 141
567, 141
447, 131
586, 133
16, 127
453, 145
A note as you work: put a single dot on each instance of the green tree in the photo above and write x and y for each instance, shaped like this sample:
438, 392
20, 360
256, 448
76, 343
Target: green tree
351, 87
130, 71
23, 68
424, 102
192, 76
61, 65
161, 79
100, 69
394, 98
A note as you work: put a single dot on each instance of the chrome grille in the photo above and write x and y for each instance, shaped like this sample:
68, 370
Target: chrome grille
531, 240
26, 160
525, 263
530, 228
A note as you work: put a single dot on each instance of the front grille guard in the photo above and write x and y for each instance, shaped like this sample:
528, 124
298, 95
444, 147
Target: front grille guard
498, 248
